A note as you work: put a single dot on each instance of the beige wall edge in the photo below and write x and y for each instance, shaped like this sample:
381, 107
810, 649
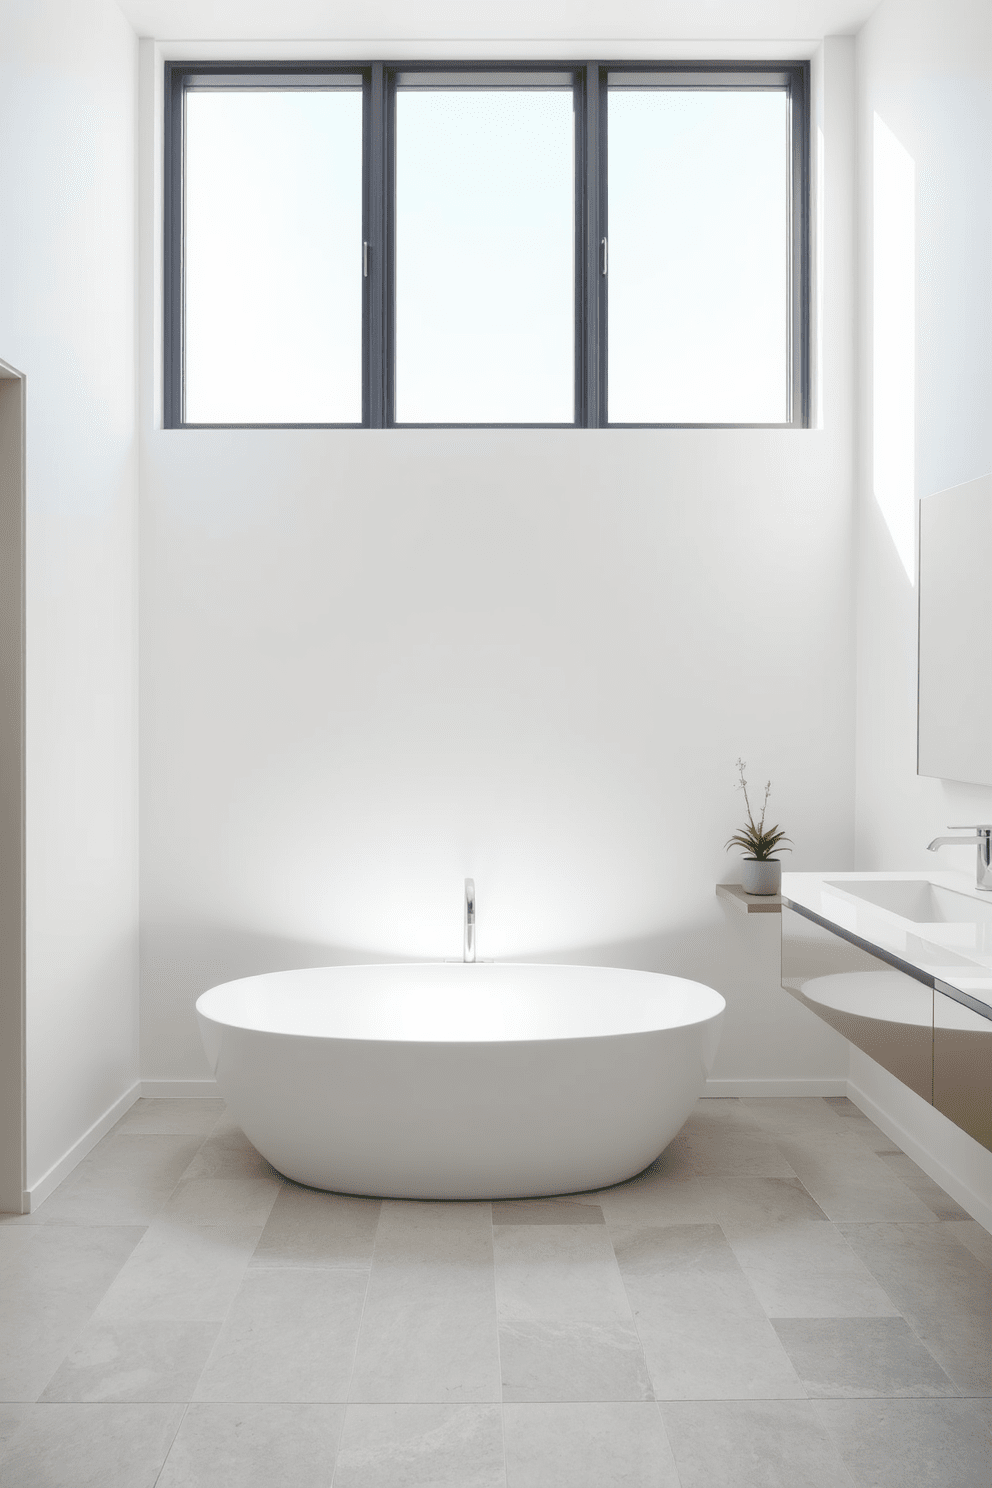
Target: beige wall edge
13, 1196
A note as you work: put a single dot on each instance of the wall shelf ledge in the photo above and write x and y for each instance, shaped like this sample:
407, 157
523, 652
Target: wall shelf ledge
749, 903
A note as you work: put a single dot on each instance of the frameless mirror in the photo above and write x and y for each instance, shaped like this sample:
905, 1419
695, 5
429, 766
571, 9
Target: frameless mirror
955, 696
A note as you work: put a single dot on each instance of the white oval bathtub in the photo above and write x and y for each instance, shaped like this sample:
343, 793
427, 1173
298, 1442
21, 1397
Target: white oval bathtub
453, 1081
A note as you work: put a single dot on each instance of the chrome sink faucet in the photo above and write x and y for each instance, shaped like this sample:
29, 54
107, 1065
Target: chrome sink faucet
469, 951
983, 838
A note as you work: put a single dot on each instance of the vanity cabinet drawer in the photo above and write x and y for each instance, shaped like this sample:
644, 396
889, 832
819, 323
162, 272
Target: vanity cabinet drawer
878, 1008
962, 1067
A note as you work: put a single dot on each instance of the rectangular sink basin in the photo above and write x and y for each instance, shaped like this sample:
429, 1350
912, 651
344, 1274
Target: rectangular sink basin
918, 900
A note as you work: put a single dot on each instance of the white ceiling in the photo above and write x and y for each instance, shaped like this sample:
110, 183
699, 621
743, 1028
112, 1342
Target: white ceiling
496, 20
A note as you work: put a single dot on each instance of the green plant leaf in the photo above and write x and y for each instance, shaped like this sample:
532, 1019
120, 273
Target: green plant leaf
759, 845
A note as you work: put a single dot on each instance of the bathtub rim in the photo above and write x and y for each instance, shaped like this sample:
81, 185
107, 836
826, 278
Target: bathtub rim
717, 1008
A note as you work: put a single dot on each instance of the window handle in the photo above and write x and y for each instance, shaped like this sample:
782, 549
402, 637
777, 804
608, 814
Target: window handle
603, 257
365, 260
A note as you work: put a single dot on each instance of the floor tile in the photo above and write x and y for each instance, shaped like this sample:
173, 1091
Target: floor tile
896, 1443
9, 1220
972, 1235
310, 1228
655, 1198
943, 1291
546, 1212
923, 1186
11, 1416
90, 1446
51, 1279
587, 1446
841, 1105
683, 1269
723, 1149
749, 1198
182, 1273
849, 1182
981, 1407
546, 1360
194, 1116
420, 1446
565, 1325
753, 1444
89, 1202
728, 1108
133, 1361
150, 1160
227, 1153
866, 1130
431, 1281
289, 1336
805, 1268
204, 1201
14, 1242
872, 1136
559, 1273
861, 1357
794, 1116
705, 1356
239, 1446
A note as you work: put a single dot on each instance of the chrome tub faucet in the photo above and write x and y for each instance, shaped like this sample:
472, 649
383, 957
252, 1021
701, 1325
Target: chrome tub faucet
983, 840
469, 950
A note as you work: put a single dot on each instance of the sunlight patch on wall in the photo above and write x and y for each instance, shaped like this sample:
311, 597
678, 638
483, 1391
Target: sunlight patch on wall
819, 270
894, 341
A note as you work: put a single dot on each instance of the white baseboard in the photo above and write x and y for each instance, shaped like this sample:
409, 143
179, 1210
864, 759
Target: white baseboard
807, 1087
179, 1090
961, 1166
38, 1192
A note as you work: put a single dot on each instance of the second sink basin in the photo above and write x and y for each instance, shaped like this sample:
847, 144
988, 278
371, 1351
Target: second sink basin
918, 900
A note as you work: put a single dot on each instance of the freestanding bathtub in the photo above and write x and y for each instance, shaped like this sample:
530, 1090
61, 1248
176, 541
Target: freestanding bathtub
454, 1081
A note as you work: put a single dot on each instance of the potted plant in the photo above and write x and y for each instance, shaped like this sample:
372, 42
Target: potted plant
761, 871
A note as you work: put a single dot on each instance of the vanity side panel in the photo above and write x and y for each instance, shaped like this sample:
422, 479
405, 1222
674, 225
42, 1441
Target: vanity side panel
822, 970
962, 1067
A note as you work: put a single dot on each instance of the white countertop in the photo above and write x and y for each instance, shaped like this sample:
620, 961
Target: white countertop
954, 955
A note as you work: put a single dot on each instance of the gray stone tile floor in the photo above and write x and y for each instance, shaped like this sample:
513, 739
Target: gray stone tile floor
782, 1300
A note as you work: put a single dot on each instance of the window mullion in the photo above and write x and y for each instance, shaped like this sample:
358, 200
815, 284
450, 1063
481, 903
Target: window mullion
377, 286
602, 198
592, 201
387, 252
800, 220
173, 255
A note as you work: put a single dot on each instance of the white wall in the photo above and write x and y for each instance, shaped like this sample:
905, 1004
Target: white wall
375, 663
926, 72
924, 84
68, 72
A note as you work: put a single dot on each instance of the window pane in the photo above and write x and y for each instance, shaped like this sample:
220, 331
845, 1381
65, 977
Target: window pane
699, 245
273, 256
485, 256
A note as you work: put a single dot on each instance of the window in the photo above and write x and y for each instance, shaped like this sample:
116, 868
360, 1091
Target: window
484, 251
428, 245
272, 283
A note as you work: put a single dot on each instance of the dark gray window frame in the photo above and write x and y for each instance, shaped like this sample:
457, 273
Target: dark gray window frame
590, 82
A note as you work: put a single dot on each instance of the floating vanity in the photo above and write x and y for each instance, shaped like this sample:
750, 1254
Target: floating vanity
900, 964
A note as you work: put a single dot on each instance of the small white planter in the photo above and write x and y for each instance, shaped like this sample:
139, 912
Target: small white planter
761, 878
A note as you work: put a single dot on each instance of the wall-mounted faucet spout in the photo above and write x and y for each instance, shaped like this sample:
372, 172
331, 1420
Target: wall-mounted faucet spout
469, 952
983, 837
